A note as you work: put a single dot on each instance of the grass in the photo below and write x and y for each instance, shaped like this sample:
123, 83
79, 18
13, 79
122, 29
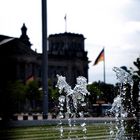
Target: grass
52, 132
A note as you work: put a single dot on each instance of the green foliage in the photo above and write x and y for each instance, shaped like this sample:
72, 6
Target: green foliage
94, 88
34, 96
32, 90
13, 98
53, 91
102, 91
19, 95
16, 91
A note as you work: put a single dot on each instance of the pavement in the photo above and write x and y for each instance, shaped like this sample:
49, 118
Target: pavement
49, 121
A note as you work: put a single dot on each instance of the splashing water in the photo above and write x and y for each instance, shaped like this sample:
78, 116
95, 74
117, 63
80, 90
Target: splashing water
72, 102
122, 107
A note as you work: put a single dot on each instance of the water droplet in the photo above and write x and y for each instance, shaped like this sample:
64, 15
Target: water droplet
111, 132
83, 124
62, 99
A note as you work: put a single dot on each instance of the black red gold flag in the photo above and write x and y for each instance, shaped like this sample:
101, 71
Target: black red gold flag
100, 57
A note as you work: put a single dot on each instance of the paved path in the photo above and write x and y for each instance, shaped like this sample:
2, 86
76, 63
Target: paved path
89, 120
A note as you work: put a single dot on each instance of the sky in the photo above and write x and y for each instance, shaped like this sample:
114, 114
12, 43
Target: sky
113, 24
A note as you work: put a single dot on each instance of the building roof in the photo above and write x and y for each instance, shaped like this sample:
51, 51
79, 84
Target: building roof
4, 41
68, 34
11, 45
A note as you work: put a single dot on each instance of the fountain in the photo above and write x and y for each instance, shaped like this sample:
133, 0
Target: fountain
72, 102
123, 109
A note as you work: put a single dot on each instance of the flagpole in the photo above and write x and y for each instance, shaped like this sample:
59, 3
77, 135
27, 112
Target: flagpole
65, 18
104, 75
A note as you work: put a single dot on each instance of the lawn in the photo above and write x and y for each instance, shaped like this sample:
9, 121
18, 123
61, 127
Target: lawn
52, 132
97, 131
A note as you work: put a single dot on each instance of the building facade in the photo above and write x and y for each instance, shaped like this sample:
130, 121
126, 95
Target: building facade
67, 57
18, 62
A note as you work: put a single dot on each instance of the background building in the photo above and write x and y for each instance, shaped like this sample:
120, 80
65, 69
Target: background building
18, 62
67, 57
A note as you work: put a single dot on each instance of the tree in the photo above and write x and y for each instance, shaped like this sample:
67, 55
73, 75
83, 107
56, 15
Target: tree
53, 96
34, 96
102, 91
94, 92
17, 93
136, 73
136, 90
13, 98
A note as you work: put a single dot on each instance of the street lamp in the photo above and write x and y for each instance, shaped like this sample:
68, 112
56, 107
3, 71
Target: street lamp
44, 59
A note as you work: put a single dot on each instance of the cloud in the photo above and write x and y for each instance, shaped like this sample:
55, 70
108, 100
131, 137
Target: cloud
131, 37
130, 12
132, 26
114, 24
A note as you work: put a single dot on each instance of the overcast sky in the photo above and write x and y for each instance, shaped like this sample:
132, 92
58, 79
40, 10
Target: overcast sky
114, 24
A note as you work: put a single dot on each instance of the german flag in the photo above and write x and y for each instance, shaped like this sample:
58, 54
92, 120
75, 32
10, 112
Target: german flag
100, 57
30, 79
